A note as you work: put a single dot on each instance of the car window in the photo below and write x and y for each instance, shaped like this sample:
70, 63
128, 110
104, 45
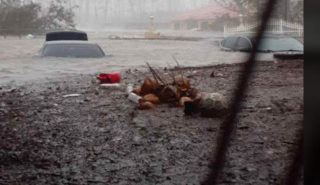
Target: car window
230, 42
280, 44
243, 44
73, 50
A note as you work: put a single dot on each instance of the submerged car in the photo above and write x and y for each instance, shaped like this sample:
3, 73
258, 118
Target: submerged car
269, 43
75, 49
66, 35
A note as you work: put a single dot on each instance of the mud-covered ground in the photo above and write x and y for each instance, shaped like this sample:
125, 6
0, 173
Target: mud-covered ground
100, 138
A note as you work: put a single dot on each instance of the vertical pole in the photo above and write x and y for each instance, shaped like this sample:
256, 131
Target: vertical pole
287, 9
229, 123
281, 26
241, 20
152, 22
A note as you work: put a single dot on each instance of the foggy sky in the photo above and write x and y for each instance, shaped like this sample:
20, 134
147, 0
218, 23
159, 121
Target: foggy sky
98, 13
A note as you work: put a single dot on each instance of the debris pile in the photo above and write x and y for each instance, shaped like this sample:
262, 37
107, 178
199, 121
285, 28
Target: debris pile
161, 88
212, 105
175, 90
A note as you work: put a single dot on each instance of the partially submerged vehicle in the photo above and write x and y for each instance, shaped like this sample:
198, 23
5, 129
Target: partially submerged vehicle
74, 49
66, 35
70, 44
269, 43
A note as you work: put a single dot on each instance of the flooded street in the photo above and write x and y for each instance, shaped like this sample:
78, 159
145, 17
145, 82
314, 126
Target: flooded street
20, 63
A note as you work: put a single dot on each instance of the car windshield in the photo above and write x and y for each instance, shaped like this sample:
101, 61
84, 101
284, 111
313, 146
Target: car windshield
280, 44
73, 50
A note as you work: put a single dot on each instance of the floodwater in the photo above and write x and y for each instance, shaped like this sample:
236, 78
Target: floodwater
20, 63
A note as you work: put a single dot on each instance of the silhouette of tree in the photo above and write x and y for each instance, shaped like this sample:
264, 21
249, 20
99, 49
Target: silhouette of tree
20, 17
291, 10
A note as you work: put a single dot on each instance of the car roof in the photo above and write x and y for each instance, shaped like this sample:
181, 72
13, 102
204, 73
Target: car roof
66, 35
67, 31
70, 42
267, 35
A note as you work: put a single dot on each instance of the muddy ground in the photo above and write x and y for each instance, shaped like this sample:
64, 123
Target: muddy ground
99, 137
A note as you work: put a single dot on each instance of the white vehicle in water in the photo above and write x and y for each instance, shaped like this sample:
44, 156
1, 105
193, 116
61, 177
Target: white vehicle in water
269, 43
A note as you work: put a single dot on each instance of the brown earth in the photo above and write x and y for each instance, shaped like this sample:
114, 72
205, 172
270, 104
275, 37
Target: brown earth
100, 138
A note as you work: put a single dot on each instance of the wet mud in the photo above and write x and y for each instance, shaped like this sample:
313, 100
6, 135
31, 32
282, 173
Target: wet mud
100, 137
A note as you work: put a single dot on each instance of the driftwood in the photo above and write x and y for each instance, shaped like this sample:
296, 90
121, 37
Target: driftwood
178, 66
156, 75
160, 89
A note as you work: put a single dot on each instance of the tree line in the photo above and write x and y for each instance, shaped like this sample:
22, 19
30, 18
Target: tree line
289, 10
18, 17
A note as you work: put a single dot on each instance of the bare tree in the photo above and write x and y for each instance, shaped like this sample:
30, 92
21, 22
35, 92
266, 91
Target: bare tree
249, 10
296, 13
291, 10
17, 18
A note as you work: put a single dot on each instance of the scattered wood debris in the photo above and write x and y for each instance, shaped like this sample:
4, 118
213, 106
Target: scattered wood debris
176, 90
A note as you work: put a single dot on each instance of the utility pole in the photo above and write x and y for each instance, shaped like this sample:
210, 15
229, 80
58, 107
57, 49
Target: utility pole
286, 9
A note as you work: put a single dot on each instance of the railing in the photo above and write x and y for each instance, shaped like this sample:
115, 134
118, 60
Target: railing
275, 26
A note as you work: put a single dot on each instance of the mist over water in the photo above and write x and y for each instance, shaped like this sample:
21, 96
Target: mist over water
99, 14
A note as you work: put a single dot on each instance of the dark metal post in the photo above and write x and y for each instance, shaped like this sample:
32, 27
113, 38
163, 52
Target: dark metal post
228, 125
287, 9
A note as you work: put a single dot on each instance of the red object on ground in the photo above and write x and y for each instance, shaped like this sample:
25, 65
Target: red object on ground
113, 77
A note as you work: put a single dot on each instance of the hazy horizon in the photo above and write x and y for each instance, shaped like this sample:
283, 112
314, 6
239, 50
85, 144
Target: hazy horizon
97, 14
